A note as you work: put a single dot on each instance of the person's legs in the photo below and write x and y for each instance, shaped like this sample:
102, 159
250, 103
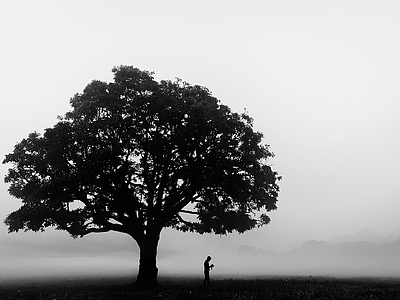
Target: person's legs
206, 279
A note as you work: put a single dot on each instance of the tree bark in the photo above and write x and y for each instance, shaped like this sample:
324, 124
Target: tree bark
148, 271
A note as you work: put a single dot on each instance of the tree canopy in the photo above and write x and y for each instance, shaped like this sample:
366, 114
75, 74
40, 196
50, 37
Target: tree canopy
135, 156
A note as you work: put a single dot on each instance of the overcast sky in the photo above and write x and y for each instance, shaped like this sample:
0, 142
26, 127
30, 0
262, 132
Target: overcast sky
320, 78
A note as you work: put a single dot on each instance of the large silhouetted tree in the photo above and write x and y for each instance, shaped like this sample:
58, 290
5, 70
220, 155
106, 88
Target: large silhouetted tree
137, 155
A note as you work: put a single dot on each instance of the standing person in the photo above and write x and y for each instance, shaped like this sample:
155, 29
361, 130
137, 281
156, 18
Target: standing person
207, 268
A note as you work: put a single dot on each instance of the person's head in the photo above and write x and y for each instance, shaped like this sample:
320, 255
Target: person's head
208, 258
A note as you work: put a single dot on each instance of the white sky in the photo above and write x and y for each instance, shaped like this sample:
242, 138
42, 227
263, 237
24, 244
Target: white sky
320, 78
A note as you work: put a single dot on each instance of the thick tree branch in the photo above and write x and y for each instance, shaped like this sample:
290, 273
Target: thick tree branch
189, 212
182, 200
82, 231
192, 225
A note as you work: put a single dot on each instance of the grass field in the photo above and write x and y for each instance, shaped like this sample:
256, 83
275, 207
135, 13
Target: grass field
191, 288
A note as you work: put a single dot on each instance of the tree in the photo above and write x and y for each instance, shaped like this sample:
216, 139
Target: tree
136, 156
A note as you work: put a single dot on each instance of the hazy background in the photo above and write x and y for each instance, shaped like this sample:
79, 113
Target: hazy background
320, 78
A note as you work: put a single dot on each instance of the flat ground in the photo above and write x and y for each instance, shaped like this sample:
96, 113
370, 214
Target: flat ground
191, 288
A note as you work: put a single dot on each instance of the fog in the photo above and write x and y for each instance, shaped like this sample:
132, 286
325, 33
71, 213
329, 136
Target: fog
57, 255
349, 256
320, 79
106, 255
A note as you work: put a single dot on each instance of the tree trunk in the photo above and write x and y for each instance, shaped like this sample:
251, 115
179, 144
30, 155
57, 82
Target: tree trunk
148, 270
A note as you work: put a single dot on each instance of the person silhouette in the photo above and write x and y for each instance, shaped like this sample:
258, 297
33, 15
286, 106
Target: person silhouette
207, 268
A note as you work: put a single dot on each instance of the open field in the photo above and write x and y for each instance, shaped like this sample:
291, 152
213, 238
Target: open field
191, 288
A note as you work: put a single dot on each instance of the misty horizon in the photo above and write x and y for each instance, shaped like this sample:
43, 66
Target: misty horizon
362, 254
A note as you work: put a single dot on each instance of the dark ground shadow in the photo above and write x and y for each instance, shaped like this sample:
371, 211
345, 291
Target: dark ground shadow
191, 288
